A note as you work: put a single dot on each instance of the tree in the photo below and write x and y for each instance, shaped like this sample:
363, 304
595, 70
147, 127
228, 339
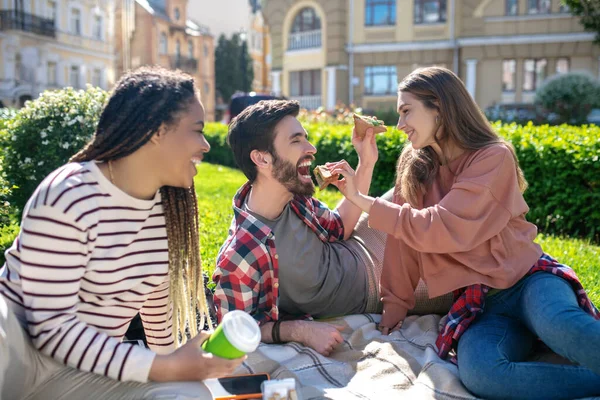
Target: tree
570, 96
233, 66
589, 13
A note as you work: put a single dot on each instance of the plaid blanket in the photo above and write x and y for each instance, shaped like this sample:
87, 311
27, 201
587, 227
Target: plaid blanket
367, 365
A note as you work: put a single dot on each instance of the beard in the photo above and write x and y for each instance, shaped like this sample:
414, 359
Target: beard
286, 173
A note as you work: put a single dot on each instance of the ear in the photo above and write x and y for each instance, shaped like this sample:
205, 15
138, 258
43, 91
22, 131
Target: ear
158, 135
262, 159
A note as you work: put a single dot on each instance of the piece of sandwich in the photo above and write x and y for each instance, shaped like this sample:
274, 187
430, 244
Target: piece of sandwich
323, 176
363, 122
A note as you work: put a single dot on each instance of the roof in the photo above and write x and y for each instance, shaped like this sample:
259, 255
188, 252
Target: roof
155, 7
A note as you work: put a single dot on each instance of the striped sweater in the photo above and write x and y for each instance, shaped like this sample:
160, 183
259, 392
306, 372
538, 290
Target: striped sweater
87, 259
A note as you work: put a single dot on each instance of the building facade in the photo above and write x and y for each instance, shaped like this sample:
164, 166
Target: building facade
259, 48
356, 51
48, 44
159, 32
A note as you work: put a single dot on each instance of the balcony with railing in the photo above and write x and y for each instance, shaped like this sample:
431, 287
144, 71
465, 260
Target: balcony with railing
186, 64
311, 102
26, 22
304, 40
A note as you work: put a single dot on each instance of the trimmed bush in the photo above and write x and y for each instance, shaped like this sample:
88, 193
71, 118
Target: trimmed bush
561, 164
570, 96
44, 134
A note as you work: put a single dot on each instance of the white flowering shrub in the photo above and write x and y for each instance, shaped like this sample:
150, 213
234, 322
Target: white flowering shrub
44, 134
570, 96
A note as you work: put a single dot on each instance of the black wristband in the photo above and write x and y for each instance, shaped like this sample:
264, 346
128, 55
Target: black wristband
275, 334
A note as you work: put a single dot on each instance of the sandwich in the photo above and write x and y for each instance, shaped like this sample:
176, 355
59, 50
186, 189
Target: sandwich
323, 176
363, 122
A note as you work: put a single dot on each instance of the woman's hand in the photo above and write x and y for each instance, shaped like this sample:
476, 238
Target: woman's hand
347, 185
191, 363
366, 148
386, 331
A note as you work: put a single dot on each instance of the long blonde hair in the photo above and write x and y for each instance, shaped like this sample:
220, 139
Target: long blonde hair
142, 102
462, 123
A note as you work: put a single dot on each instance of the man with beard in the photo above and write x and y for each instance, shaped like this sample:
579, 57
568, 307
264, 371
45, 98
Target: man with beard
288, 257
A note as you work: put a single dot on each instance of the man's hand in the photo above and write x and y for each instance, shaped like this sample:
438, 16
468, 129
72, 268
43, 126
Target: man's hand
366, 147
191, 363
319, 336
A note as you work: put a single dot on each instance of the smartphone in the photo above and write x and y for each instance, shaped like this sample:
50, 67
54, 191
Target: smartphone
237, 387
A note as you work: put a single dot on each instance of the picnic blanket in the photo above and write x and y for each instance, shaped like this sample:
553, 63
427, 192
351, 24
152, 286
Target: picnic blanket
367, 365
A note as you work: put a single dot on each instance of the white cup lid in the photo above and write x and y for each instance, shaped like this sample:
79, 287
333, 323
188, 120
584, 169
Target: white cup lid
241, 330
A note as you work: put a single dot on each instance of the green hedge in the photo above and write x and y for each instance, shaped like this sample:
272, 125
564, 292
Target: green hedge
561, 164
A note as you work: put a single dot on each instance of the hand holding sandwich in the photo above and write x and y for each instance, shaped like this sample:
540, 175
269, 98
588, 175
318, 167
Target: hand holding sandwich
363, 138
348, 187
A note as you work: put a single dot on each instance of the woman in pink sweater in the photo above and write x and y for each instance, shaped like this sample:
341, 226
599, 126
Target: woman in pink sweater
458, 222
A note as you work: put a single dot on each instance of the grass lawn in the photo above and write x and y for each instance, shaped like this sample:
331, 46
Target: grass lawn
216, 186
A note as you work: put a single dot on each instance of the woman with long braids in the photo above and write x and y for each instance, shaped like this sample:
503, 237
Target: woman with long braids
111, 234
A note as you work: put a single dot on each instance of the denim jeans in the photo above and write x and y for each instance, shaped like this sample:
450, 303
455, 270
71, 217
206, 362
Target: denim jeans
492, 353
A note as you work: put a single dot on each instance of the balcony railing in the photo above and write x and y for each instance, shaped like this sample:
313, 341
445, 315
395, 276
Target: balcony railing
184, 63
311, 102
26, 22
304, 40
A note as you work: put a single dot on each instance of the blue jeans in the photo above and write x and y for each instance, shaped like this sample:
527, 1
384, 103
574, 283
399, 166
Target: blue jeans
492, 352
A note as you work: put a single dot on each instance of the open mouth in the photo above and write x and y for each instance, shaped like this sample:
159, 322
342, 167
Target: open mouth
304, 170
409, 134
196, 160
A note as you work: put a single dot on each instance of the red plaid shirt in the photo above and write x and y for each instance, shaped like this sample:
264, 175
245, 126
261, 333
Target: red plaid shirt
470, 303
247, 268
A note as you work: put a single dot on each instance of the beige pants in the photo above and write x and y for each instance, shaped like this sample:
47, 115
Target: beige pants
25, 373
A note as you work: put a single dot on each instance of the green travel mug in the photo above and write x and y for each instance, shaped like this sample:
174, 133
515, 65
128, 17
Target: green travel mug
237, 334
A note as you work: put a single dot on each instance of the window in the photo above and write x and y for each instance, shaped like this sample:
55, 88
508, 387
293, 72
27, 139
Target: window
430, 11
74, 77
206, 88
75, 21
162, 47
51, 73
305, 83
97, 77
562, 65
306, 20
190, 49
178, 49
512, 7
381, 80
538, 6
535, 73
51, 11
564, 8
380, 12
177, 15
509, 75
205, 51
97, 30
